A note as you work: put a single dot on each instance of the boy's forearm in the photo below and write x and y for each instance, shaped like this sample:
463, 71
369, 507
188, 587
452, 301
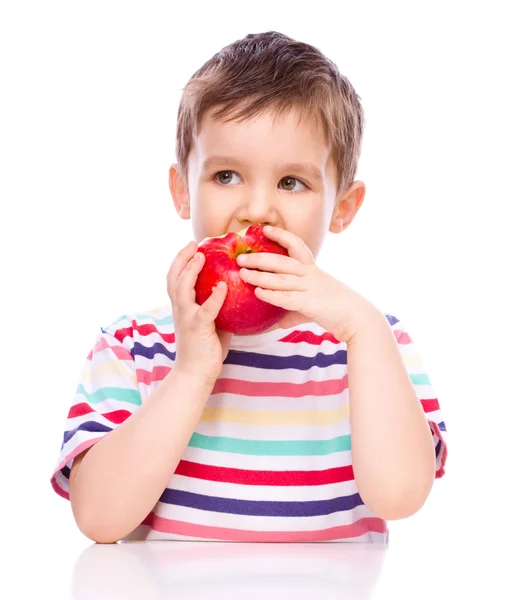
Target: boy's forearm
121, 477
392, 449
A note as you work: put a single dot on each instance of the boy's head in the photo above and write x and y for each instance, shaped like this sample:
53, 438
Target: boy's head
268, 132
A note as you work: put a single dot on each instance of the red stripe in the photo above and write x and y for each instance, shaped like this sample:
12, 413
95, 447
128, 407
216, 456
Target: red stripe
360, 527
115, 416
143, 329
309, 337
249, 477
79, 410
430, 404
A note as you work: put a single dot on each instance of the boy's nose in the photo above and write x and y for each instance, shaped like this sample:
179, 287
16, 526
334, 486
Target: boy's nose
259, 207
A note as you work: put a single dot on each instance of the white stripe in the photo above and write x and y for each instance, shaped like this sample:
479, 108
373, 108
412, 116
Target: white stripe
62, 481
106, 406
436, 416
423, 391
227, 520
294, 348
278, 403
291, 375
267, 463
274, 432
286, 493
94, 417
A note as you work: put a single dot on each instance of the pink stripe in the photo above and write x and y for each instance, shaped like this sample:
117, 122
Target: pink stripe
76, 452
158, 373
286, 390
365, 525
120, 351
402, 337
59, 489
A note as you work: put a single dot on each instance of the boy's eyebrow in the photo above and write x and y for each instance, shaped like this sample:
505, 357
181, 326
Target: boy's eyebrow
305, 168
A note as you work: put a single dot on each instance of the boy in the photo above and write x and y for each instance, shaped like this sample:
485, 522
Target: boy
322, 427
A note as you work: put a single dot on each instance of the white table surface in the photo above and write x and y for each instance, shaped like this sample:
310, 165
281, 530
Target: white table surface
431, 567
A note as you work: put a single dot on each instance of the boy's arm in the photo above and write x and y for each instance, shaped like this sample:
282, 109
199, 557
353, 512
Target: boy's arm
392, 448
117, 482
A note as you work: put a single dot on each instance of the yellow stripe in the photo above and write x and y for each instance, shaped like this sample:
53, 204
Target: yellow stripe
412, 360
96, 371
272, 417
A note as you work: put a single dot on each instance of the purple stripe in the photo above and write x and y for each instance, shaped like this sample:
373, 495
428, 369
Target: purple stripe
254, 359
92, 426
279, 363
261, 508
151, 351
392, 320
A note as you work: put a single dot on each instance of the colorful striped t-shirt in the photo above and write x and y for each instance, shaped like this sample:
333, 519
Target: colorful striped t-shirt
270, 459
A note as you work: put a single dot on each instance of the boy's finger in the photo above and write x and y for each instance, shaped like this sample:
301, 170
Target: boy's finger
212, 306
185, 292
179, 263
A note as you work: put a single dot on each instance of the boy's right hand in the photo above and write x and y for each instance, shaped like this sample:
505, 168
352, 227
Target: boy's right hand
200, 347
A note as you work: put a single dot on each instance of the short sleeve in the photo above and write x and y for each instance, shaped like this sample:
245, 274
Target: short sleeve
106, 395
424, 391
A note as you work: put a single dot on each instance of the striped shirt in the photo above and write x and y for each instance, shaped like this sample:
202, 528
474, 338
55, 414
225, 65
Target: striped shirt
270, 459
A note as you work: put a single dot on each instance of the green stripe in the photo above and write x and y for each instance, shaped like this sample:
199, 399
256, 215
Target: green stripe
122, 318
271, 447
114, 393
164, 321
141, 317
420, 379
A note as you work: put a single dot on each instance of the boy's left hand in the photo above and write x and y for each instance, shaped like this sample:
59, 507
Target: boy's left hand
296, 283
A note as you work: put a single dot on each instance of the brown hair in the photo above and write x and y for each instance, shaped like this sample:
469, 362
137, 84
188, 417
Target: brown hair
271, 70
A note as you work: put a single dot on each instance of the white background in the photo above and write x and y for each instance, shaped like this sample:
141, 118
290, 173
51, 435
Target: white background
89, 96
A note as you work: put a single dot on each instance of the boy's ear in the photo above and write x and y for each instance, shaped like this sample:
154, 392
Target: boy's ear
179, 192
347, 207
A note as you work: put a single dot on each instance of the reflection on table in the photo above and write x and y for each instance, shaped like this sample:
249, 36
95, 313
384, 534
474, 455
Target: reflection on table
163, 569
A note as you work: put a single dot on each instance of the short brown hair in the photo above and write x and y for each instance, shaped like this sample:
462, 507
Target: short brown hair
272, 71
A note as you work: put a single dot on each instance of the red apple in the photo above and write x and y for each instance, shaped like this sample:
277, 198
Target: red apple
242, 312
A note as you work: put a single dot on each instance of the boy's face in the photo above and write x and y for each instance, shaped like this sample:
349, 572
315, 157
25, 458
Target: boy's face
242, 174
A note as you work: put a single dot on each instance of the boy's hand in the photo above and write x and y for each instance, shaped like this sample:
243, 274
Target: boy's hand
201, 348
296, 283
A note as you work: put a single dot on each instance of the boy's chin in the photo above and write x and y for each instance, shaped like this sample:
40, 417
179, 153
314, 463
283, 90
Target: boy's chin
290, 319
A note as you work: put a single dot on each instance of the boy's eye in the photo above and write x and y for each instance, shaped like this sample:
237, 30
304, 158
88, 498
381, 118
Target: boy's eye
225, 177
289, 183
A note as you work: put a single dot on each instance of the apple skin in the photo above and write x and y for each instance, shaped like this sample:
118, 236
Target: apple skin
242, 312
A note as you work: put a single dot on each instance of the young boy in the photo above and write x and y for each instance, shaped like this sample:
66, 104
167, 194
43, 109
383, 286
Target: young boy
322, 427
